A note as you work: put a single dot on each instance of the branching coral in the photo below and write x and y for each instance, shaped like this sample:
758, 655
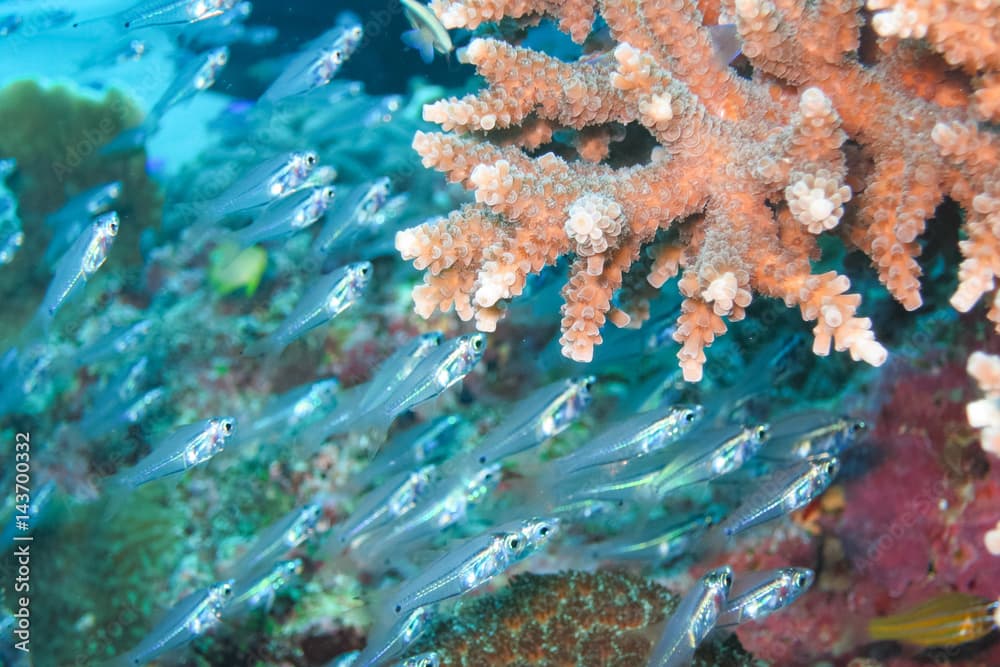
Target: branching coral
747, 172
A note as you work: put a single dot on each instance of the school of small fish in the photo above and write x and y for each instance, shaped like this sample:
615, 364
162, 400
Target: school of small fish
439, 511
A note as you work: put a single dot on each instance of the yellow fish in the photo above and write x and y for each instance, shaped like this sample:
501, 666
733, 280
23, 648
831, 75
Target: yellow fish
948, 619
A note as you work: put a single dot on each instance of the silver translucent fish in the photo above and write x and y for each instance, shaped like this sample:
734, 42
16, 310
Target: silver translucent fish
783, 492
393, 371
389, 639
330, 296
800, 435
117, 343
657, 544
386, 503
289, 413
693, 619
316, 64
756, 595
185, 448
414, 447
258, 590
464, 567
279, 538
79, 263
543, 414
358, 211
87, 204
287, 216
267, 182
445, 366
189, 619
426, 659
168, 12
638, 435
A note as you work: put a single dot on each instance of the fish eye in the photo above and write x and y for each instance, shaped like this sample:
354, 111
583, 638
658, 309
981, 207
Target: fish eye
800, 580
727, 579
513, 543
364, 269
113, 227
830, 468
543, 531
761, 431
477, 344
689, 416
310, 159
399, 608
858, 426
227, 426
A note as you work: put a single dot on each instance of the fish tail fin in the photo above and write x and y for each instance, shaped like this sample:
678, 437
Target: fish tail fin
416, 40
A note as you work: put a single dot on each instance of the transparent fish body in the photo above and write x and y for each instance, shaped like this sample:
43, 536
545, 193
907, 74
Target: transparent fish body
86, 205
393, 638
446, 504
287, 216
108, 409
415, 447
543, 414
316, 64
386, 503
117, 343
293, 410
722, 456
783, 492
79, 263
426, 659
394, 370
257, 591
198, 75
756, 595
639, 435
279, 538
657, 544
693, 619
24, 371
170, 12
463, 568
801, 435
189, 619
119, 52
358, 211
217, 31
267, 182
330, 296
11, 234
445, 366
185, 448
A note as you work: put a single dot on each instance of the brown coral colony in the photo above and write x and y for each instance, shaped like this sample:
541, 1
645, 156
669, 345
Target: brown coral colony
754, 167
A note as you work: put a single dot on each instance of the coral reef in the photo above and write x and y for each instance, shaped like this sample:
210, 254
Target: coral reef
589, 619
746, 175
55, 135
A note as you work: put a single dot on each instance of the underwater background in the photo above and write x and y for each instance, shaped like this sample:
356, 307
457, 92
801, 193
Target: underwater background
274, 390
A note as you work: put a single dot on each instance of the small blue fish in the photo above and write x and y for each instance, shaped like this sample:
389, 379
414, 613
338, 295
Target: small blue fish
316, 64
693, 619
189, 619
256, 591
757, 595
428, 34
265, 183
287, 216
279, 538
783, 492
78, 264
801, 435
330, 296
185, 448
